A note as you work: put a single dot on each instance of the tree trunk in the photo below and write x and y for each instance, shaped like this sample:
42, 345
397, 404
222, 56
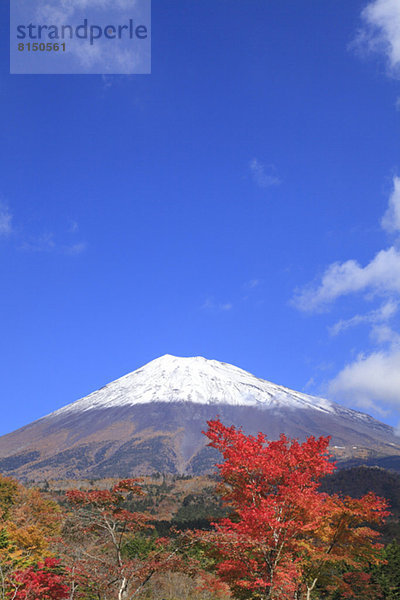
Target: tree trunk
123, 589
310, 589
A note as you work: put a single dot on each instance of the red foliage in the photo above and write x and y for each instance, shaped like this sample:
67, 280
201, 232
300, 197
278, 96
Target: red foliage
96, 537
97, 507
359, 585
283, 530
42, 582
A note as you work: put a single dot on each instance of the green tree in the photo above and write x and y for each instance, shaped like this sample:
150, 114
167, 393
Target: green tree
387, 574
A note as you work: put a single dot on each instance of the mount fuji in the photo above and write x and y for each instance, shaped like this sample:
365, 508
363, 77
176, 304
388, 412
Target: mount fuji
151, 420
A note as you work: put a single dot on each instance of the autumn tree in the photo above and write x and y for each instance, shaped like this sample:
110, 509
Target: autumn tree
46, 581
29, 523
104, 548
284, 534
342, 540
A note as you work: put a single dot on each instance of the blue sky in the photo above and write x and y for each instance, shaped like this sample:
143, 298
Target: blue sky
239, 203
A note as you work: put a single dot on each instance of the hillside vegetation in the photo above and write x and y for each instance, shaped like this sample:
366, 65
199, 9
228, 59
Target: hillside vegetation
276, 524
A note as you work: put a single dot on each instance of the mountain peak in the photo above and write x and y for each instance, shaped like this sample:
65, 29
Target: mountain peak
197, 380
152, 420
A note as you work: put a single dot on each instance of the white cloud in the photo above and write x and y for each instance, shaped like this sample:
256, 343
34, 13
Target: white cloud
210, 305
47, 243
5, 221
391, 219
57, 11
226, 306
110, 57
383, 334
382, 314
73, 227
381, 30
370, 380
41, 243
381, 276
74, 249
253, 283
264, 176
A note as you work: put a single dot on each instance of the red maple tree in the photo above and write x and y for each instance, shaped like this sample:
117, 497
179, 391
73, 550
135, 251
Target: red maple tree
41, 582
284, 533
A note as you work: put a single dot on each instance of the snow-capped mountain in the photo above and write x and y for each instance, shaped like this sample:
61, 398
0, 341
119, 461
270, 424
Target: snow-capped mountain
198, 380
151, 420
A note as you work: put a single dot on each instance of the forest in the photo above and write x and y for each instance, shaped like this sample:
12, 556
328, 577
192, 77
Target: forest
277, 521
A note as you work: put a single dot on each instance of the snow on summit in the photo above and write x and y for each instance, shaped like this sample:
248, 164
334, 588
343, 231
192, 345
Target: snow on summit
152, 420
198, 380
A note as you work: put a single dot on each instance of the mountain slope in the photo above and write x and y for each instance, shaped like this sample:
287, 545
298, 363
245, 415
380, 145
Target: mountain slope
151, 420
